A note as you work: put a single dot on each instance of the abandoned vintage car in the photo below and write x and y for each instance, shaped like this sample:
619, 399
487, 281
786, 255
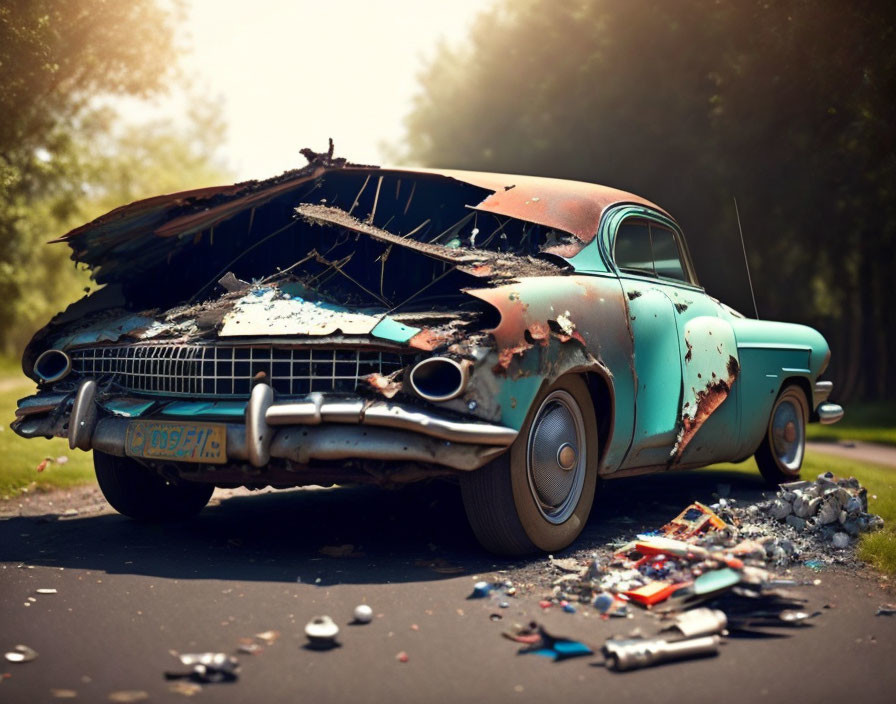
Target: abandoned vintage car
344, 323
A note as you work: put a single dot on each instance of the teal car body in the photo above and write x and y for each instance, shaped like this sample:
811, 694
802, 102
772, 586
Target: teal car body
526, 336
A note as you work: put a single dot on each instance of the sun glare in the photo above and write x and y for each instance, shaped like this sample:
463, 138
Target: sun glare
292, 74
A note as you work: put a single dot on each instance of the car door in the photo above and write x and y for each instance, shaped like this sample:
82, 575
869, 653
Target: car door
685, 355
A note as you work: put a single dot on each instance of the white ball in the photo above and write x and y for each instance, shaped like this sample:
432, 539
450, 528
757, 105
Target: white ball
363, 613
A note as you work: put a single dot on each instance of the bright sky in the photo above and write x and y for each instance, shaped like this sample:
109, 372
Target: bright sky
292, 73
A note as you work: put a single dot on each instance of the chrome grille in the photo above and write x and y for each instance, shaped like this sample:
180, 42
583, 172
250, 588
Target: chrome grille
216, 370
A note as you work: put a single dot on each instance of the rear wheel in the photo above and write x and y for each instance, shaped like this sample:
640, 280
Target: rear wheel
537, 496
780, 456
138, 492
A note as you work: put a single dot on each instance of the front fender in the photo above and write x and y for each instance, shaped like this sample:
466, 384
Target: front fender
551, 326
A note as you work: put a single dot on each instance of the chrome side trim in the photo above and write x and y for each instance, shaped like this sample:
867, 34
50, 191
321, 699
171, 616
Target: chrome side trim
829, 413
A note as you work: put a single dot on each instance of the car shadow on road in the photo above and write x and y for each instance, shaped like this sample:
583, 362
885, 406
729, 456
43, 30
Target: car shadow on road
346, 535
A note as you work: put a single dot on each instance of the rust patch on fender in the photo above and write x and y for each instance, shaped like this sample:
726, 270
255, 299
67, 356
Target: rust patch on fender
708, 400
539, 332
428, 339
506, 355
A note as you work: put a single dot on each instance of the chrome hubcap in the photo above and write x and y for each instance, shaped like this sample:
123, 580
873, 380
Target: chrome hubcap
788, 434
555, 458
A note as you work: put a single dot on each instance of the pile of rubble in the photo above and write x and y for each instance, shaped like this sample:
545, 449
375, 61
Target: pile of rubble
809, 522
837, 509
720, 557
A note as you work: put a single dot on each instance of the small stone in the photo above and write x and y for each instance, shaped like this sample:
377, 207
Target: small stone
779, 509
801, 507
188, 689
363, 613
21, 653
63, 693
829, 512
854, 505
840, 540
128, 695
796, 522
480, 590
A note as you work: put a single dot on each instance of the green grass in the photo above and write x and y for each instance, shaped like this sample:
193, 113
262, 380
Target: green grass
878, 549
19, 457
869, 422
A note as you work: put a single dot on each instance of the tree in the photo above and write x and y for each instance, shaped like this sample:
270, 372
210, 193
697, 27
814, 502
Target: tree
786, 105
65, 157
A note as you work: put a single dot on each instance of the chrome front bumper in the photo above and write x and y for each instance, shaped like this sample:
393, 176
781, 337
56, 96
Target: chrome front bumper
343, 428
826, 413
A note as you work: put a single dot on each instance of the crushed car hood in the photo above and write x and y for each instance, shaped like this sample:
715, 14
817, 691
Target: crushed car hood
331, 249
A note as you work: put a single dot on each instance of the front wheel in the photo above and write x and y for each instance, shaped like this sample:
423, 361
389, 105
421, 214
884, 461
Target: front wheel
537, 496
780, 456
138, 492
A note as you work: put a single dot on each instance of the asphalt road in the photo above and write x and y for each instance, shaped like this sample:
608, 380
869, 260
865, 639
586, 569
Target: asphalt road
128, 593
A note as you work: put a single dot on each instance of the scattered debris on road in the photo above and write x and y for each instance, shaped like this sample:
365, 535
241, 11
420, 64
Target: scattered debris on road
188, 689
206, 667
706, 573
363, 614
21, 653
637, 653
127, 696
886, 610
537, 640
321, 632
268, 637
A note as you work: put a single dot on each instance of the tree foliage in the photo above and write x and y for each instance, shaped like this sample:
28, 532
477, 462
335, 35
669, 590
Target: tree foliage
65, 154
787, 106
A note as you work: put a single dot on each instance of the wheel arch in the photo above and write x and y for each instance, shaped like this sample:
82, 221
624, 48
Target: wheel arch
600, 387
803, 384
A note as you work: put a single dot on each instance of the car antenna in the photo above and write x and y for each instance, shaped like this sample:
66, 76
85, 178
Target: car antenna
746, 261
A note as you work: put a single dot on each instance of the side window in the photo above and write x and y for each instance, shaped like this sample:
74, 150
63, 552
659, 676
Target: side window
643, 247
632, 250
666, 255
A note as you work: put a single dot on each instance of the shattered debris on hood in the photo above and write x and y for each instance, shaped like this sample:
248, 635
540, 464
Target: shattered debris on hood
333, 249
330, 249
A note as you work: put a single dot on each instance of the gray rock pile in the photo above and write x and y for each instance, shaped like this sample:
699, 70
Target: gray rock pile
833, 508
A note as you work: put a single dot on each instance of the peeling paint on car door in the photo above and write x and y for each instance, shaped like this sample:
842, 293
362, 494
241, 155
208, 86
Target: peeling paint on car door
685, 353
657, 372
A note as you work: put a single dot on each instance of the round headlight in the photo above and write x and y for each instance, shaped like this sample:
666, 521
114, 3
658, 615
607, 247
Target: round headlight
52, 365
439, 378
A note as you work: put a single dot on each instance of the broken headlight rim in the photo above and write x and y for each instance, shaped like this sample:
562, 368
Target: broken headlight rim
52, 365
439, 378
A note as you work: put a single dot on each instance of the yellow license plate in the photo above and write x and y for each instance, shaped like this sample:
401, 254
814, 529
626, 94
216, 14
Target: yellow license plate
182, 442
